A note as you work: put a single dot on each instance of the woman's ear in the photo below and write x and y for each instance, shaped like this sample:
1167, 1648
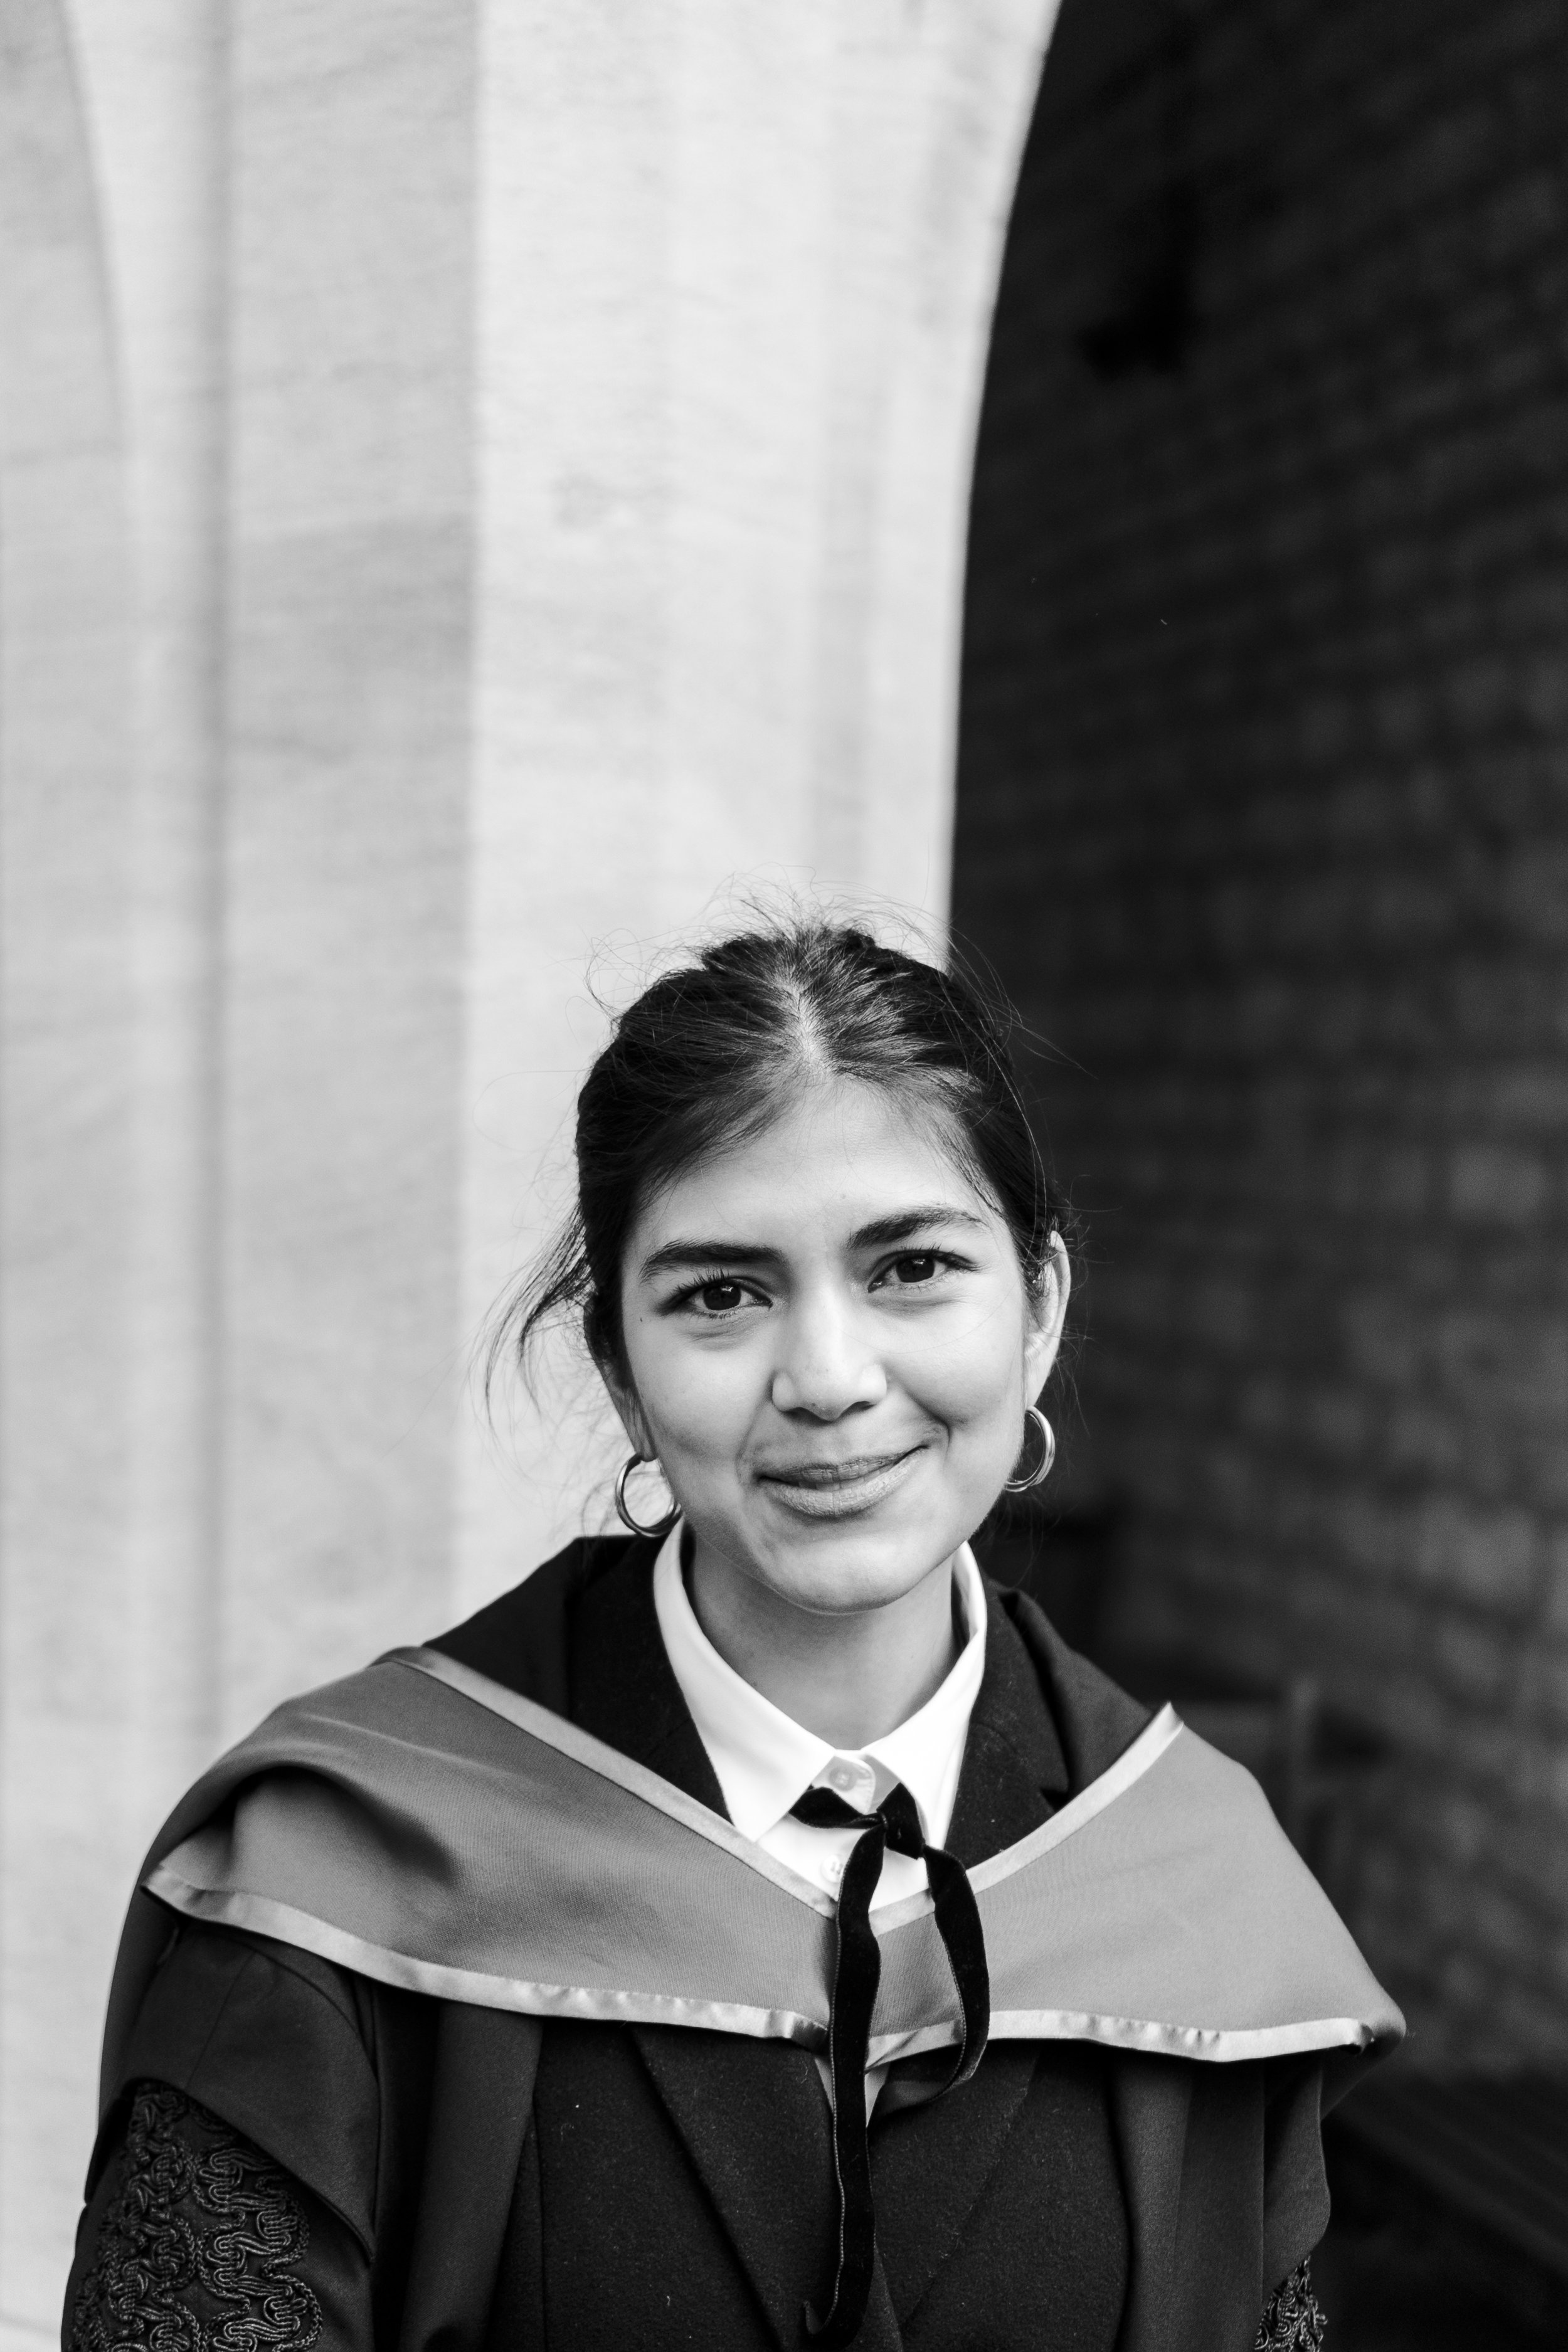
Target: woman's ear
629, 1410
1048, 1313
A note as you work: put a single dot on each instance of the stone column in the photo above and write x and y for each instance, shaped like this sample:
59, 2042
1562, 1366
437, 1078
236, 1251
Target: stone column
350, 653
735, 273
479, 486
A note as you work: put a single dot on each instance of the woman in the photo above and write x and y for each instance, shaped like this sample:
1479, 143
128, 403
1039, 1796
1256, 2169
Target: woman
758, 1929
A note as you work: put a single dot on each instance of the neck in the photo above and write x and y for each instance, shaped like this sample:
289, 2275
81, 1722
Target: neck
847, 1678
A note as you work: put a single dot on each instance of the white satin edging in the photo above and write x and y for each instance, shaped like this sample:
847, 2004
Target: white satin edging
1221, 2045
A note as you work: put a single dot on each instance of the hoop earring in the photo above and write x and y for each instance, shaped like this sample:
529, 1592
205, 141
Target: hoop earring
1042, 1469
636, 1461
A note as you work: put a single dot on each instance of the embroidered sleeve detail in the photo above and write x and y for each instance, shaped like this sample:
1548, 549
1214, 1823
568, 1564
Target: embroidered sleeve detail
200, 2244
1293, 2321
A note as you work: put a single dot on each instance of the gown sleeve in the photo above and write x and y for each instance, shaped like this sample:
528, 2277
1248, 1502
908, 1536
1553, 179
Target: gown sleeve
1296, 2206
193, 2238
232, 2194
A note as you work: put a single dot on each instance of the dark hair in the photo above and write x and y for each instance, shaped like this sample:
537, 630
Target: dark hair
713, 1052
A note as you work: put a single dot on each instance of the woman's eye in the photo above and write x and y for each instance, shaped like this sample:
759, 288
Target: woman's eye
711, 1301
907, 1271
719, 1297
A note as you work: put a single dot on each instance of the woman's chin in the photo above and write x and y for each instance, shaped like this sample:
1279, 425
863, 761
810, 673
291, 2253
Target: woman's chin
840, 1566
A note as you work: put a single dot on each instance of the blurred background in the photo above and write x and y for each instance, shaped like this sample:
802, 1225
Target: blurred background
483, 489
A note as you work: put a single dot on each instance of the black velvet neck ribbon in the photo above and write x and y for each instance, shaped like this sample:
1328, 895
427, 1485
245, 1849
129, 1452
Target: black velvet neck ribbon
895, 1823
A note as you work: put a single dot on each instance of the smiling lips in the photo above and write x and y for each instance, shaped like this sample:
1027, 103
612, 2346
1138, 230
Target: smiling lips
837, 1490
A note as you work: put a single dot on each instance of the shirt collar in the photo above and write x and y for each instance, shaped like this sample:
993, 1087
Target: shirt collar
765, 1761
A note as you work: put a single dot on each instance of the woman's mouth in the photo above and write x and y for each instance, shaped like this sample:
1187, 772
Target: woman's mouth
838, 1490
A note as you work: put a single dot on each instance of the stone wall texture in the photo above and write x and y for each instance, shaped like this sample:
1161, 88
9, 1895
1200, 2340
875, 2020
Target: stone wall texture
1263, 816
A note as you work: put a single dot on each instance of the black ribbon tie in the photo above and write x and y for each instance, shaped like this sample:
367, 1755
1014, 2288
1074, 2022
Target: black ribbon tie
894, 1822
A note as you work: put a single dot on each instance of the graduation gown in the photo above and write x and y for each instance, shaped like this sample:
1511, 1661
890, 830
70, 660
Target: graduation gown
451, 2013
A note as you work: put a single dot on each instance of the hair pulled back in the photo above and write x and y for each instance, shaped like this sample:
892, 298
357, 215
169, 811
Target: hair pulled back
713, 1052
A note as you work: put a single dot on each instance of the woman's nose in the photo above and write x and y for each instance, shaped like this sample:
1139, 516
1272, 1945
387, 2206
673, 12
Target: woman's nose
826, 1367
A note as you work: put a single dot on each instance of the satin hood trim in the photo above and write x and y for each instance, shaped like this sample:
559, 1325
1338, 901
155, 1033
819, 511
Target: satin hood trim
430, 1829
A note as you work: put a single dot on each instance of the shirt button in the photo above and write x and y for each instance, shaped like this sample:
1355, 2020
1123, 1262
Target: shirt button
832, 1870
842, 1777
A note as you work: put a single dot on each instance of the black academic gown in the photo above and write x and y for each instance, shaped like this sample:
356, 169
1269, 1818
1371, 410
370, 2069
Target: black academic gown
380, 2168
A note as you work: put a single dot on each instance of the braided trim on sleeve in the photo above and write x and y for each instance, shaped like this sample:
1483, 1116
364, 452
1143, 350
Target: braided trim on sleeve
1294, 2321
200, 2244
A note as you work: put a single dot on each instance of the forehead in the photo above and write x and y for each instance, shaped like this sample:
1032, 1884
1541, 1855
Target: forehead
841, 1155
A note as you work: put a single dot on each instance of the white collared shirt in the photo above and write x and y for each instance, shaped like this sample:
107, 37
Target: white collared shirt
765, 1761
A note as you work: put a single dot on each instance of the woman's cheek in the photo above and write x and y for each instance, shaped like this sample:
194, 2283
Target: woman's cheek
969, 1373
697, 1398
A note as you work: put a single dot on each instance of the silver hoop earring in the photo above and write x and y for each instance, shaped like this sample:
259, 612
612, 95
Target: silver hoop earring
1042, 1469
636, 1461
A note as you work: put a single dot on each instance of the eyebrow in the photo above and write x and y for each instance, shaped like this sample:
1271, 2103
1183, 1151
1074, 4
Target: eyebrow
684, 1256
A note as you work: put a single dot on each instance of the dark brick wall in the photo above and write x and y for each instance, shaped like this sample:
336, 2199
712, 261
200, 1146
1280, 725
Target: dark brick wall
1263, 817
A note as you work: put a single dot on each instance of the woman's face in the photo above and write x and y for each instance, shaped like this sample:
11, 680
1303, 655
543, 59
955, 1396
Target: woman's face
831, 1347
